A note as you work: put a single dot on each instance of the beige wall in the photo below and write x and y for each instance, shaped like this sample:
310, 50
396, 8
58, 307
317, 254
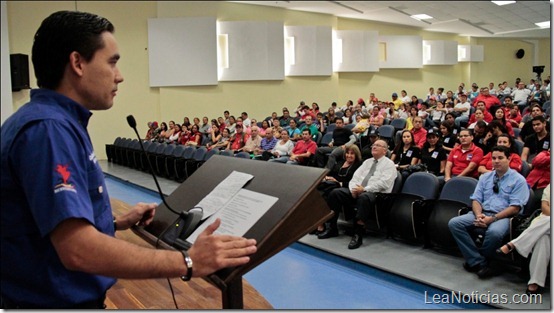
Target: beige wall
258, 98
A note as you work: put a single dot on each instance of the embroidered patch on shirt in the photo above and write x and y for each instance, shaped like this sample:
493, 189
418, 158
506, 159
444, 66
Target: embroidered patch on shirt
65, 174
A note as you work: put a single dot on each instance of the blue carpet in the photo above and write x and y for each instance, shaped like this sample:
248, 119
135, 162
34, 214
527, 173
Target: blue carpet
302, 277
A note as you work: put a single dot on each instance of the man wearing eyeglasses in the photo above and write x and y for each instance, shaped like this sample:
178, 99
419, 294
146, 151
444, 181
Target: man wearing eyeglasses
464, 159
499, 195
376, 174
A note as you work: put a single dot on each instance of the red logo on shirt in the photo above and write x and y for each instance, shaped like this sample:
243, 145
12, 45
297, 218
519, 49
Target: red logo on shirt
65, 174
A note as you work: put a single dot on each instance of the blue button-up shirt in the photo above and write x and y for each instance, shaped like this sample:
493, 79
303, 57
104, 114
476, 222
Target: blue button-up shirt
512, 191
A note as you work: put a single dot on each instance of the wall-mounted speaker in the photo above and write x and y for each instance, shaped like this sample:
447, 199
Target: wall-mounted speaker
19, 66
520, 53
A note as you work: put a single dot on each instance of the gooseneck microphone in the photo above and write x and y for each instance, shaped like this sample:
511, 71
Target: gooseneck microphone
133, 123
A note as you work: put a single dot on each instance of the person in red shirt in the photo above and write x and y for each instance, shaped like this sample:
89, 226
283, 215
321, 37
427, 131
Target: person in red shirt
419, 133
513, 116
487, 115
485, 165
464, 158
487, 98
303, 149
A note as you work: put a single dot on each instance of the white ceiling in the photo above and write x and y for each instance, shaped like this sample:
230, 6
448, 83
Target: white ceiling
465, 18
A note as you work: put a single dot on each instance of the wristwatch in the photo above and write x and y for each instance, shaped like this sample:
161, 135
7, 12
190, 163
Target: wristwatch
188, 262
495, 218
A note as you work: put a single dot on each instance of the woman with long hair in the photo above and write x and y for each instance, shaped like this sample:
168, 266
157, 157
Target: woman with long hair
406, 153
500, 115
447, 138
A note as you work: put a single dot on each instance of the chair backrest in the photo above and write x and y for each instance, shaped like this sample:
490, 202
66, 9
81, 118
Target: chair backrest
317, 137
425, 185
117, 140
243, 154
397, 187
326, 139
168, 150
152, 147
339, 113
146, 144
349, 126
525, 170
226, 153
178, 151
398, 123
330, 128
189, 151
459, 188
531, 205
210, 153
200, 153
160, 149
386, 131
519, 146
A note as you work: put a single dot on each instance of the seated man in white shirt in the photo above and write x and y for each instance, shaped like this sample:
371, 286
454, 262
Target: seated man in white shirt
376, 174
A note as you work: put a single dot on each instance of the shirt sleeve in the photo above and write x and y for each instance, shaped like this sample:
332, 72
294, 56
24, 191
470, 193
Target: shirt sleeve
49, 161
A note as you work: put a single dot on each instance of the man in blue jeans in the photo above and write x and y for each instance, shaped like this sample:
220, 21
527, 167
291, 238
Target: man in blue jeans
499, 195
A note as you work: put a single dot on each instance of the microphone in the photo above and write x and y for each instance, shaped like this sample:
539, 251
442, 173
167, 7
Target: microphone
133, 123
177, 232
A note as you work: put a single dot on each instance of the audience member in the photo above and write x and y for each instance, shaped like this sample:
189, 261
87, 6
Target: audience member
310, 126
538, 141
253, 142
283, 147
487, 116
205, 127
267, 144
479, 115
223, 141
464, 158
406, 152
535, 239
338, 176
238, 139
461, 109
500, 115
498, 196
302, 151
539, 176
494, 129
489, 100
294, 133
513, 116
376, 174
433, 155
285, 119
505, 140
341, 137
419, 132
447, 138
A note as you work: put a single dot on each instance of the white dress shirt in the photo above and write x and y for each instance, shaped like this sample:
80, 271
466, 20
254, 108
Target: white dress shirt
381, 181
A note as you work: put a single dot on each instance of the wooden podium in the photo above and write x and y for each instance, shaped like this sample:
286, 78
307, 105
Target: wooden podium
300, 209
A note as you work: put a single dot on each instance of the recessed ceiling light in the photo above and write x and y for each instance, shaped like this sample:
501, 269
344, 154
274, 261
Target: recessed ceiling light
503, 2
543, 24
421, 16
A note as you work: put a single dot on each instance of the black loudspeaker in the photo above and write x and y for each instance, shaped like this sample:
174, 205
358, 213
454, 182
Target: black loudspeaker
19, 65
520, 53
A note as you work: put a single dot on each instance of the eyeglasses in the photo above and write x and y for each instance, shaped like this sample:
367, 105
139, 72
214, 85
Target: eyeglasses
495, 187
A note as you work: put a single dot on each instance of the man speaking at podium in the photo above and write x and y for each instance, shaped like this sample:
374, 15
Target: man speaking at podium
57, 230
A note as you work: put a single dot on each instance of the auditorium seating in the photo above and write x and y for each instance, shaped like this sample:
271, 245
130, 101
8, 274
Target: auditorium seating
453, 198
411, 207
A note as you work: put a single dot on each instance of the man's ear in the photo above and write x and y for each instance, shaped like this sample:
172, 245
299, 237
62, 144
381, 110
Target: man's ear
76, 63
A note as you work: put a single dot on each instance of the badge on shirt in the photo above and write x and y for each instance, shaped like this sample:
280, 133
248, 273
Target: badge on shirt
546, 145
447, 140
469, 156
435, 154
455, 131
64, 184
409, 153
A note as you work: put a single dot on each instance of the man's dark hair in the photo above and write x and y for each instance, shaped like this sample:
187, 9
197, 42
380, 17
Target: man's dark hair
539, 118
307, 130
502, 149
481, 124
337, 118
58, 36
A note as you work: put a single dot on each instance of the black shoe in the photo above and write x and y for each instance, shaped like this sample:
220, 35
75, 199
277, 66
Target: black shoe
328, 233
472, 269
486, 272
355, 242
533, 292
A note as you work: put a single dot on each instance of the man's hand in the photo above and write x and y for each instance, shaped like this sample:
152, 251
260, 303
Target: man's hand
141, 214
211, 253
